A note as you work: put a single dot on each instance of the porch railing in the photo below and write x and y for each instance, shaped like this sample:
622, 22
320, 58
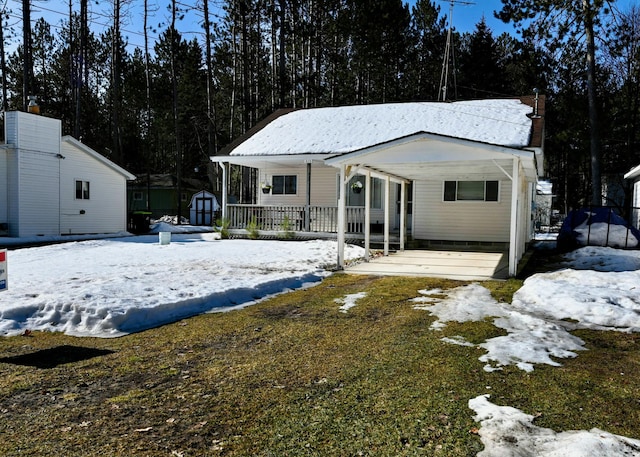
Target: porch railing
276, 217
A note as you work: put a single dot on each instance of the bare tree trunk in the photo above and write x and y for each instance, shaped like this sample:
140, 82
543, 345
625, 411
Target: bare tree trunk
80, 66
116, 73
147, 114
212, 146
3, 65
27, 71
596, 178
174, 87
282, 64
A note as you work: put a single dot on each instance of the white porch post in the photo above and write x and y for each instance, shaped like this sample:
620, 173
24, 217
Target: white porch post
342, 208
403, 213
307, 209
367, 215
225, 211
513, 238
386, 214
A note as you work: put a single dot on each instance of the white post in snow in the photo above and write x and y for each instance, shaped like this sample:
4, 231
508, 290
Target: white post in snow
342, 208
403, 213
513, 237
367, 215
386, 215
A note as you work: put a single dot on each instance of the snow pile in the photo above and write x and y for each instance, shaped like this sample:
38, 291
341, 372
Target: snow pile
536, 321
349, 301
349, 128
530, 340
508, 432
108, 288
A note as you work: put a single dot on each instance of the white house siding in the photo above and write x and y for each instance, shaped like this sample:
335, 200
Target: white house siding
324, 190
435, 219
323, 186
33, 132
105, 210
37, 203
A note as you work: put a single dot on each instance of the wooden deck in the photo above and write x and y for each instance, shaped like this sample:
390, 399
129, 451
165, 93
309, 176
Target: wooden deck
461, 265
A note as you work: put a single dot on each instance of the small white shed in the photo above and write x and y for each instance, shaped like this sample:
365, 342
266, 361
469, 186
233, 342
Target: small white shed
54, 185
203, 208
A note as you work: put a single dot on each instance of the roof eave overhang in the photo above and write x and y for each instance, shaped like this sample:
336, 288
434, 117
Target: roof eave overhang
633, 173
358, 157
256, 160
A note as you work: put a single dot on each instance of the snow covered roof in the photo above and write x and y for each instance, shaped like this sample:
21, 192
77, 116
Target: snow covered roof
337, 130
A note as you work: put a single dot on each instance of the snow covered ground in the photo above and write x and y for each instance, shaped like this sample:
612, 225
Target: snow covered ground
109, 287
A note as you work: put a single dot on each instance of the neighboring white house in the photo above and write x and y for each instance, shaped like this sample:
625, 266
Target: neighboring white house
634, 176
54, 185
461, 172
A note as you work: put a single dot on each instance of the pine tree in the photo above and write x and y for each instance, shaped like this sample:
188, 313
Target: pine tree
556, 21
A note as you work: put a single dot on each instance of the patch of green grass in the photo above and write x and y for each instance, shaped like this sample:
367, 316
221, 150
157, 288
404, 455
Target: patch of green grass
294, 376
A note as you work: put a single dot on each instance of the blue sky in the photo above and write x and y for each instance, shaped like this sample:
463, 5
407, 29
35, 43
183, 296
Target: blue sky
466, 14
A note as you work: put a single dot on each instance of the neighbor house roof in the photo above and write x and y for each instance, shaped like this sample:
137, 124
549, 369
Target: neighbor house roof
99, 157
338, 130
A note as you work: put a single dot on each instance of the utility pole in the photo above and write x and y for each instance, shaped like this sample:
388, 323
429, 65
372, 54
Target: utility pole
449, 56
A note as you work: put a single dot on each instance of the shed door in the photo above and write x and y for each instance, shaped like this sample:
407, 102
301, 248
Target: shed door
204, 210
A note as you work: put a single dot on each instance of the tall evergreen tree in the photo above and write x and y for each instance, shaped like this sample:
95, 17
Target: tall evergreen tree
555, 20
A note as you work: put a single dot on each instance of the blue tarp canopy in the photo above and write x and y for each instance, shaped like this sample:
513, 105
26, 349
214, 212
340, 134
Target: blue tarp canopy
596, 227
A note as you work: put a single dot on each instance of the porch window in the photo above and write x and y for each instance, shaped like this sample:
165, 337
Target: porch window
471, 191
284, 185
82, 190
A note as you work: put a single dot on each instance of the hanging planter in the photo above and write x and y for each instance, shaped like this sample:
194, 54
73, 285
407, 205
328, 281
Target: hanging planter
266, 188
356, 187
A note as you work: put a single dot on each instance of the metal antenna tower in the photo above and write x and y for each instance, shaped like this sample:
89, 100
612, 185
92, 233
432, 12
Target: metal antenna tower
449, 55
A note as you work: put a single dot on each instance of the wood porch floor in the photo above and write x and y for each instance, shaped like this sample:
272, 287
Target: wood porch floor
461, 265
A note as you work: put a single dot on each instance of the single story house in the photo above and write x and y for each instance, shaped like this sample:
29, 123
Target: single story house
442, 173
55, 185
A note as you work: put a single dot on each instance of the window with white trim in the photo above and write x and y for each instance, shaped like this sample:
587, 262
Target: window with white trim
284, 185
82, 190
484, 191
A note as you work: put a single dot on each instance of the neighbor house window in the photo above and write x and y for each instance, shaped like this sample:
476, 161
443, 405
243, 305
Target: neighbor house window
137, 196
82, 190
284, 185
486, 191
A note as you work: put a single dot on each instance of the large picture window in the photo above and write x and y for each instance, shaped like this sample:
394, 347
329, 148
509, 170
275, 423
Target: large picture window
486, 191
82, 190
284, 185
